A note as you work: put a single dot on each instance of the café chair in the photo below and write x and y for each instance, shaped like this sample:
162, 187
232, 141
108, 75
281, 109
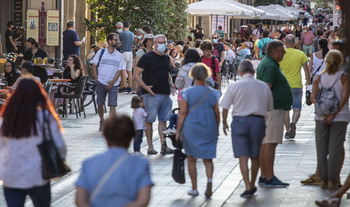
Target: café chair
48, 86
75, 93
90, 90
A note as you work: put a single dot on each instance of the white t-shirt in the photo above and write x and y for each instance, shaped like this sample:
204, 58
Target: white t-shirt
138, 116
110, 64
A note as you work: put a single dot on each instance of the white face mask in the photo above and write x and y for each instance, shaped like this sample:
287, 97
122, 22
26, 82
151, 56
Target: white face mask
139, 37
119, 30
161, 48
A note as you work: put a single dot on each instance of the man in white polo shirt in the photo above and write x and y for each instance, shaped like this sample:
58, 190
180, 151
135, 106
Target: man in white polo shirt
110, 64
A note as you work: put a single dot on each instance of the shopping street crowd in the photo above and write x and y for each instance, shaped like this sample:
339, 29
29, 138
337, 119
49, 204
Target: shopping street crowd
265, 102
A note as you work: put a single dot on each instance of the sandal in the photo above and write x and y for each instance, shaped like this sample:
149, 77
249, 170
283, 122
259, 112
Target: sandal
312, 180
152, 152
328, 202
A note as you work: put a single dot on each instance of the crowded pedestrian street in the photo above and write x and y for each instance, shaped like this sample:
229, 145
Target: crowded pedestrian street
295, 160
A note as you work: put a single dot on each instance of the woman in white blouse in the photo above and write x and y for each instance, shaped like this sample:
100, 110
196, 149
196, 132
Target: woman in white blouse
21, 127
317, 64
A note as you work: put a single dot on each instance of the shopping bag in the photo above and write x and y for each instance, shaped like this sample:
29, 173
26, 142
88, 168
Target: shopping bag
179, 164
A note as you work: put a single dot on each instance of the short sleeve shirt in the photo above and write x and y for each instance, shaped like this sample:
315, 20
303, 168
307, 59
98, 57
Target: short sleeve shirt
138, 116
218, 49
69, 47
270, 72
123, 185
140, 53
261, 44
307, 38
156, 69
291, 65
127, 40
9, 46
243, 53
30, 57
109, 65
198, 36
208, 62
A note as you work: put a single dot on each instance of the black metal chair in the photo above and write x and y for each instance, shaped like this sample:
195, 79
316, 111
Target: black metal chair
90, 90
75, 93
48, 86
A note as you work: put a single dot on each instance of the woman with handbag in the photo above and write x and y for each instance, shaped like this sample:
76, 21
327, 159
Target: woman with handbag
332, 118
198, 123
21, 131
114, 178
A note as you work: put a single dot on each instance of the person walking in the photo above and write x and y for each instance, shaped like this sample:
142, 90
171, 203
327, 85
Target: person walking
248, 124
331, 128
138, 116
127, 40
199, 102
291, 66
211, 61
262, 45
71, 42
270, 72
114, 178
20, 160
306, 40
155, 82
110, 64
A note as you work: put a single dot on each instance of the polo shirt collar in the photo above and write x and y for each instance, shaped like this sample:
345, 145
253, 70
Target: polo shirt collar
108, 51
247, 75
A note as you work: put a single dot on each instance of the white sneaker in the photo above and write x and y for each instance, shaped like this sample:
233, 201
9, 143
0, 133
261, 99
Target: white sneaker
173, 131
139, 154
193, 192
167, 132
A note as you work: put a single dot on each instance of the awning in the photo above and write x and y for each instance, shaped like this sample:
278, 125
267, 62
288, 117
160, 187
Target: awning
275, 13
212, 7
256, 12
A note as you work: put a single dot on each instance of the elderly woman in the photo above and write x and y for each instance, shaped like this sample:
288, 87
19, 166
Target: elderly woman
114, 178
331, 128
199, 102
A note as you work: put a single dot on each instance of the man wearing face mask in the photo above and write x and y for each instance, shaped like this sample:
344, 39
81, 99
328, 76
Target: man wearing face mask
155, 82
119, 27
219, 50
127, 39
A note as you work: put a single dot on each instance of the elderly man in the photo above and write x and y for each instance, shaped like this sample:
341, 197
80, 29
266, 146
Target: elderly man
155, 68
242, 52
248, 124
291, 65
270, 72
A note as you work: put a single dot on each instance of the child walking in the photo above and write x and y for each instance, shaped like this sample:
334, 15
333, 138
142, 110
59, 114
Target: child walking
138, 116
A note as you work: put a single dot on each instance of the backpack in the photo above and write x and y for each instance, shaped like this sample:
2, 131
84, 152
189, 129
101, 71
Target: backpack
99, 59
327, 102
264, 49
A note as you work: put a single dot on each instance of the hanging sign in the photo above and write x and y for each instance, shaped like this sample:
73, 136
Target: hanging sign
52, 28
33, 24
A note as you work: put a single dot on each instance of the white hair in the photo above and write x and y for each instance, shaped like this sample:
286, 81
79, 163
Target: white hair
158, 36
120, 24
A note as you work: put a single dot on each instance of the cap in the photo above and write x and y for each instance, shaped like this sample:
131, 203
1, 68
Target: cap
147, 36
170, 42
28, 65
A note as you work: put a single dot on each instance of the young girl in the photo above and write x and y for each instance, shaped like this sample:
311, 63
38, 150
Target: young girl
138, 116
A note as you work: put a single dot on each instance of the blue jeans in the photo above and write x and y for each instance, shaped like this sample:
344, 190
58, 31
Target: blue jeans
138, 140
173, 121
41, 196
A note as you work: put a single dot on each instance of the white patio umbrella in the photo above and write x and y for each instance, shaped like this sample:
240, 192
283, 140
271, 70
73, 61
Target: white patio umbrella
256, 12
276, 12
212, 7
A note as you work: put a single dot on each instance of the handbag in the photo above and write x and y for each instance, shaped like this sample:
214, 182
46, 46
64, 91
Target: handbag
179, 164
53, 166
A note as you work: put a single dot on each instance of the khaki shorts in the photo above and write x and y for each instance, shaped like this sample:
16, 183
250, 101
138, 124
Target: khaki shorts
274, 127
127, 58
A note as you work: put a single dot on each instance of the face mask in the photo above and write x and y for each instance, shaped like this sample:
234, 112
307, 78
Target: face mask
304, 31
215, 41
119, 30
161, 48
139, 37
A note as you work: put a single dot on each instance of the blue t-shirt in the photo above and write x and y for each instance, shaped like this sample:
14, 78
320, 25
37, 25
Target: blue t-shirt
243, 53
127, 40
261, 44
123, 185
69, 48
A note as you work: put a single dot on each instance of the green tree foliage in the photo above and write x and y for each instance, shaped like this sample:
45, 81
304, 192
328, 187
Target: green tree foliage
268, 2
159, 14
178, 28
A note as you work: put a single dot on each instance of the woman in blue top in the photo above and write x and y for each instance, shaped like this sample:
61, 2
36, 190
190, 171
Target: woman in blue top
198, 122
115, 178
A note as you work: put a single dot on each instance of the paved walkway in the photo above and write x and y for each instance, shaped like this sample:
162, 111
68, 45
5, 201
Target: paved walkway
294, 161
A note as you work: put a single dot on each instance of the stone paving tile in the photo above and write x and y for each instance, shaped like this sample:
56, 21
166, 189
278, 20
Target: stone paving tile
295, 160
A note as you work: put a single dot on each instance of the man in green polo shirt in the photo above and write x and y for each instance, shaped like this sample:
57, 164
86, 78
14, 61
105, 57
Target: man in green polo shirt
270, 72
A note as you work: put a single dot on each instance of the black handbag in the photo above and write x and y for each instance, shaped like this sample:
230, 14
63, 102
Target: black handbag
52, 164
179, 164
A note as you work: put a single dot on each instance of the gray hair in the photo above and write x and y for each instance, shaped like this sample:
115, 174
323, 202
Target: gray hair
290, 40
246, 66
159, 36
273, 46
200, 71
246, 44
120, 24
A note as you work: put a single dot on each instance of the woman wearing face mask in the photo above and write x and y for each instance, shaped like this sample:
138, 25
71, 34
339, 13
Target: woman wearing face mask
138, 40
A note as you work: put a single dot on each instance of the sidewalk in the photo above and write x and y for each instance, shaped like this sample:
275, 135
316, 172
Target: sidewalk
295, 160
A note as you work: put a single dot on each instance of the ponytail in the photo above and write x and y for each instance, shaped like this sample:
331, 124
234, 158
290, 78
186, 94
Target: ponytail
32, 41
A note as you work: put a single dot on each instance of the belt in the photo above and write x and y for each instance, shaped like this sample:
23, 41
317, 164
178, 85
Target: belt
252, 115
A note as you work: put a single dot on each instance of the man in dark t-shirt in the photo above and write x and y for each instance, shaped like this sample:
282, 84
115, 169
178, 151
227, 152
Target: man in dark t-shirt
10, 38
219, 49
199, 34
71, 42
155, 68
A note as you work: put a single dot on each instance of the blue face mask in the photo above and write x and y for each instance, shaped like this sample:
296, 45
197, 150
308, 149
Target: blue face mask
161, 48
119, 30
215, 41
139, 37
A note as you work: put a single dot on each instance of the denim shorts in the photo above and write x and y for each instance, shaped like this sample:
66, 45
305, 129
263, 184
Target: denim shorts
160, 105
247, 135
297, 96
102, 91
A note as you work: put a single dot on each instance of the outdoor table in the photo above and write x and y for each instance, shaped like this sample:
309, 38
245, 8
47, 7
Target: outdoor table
60, 80
43, 65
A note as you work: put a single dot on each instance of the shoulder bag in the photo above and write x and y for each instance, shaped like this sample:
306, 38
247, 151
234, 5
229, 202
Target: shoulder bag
53, 166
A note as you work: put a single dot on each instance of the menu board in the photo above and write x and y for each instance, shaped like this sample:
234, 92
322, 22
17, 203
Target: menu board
33, 24
52, 27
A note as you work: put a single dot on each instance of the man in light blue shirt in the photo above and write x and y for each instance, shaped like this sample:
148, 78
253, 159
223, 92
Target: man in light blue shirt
127, 39
242, 52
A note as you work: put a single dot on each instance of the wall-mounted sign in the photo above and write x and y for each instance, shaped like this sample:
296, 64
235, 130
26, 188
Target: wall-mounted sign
52, 28
17, 18
18, 4
33, 24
